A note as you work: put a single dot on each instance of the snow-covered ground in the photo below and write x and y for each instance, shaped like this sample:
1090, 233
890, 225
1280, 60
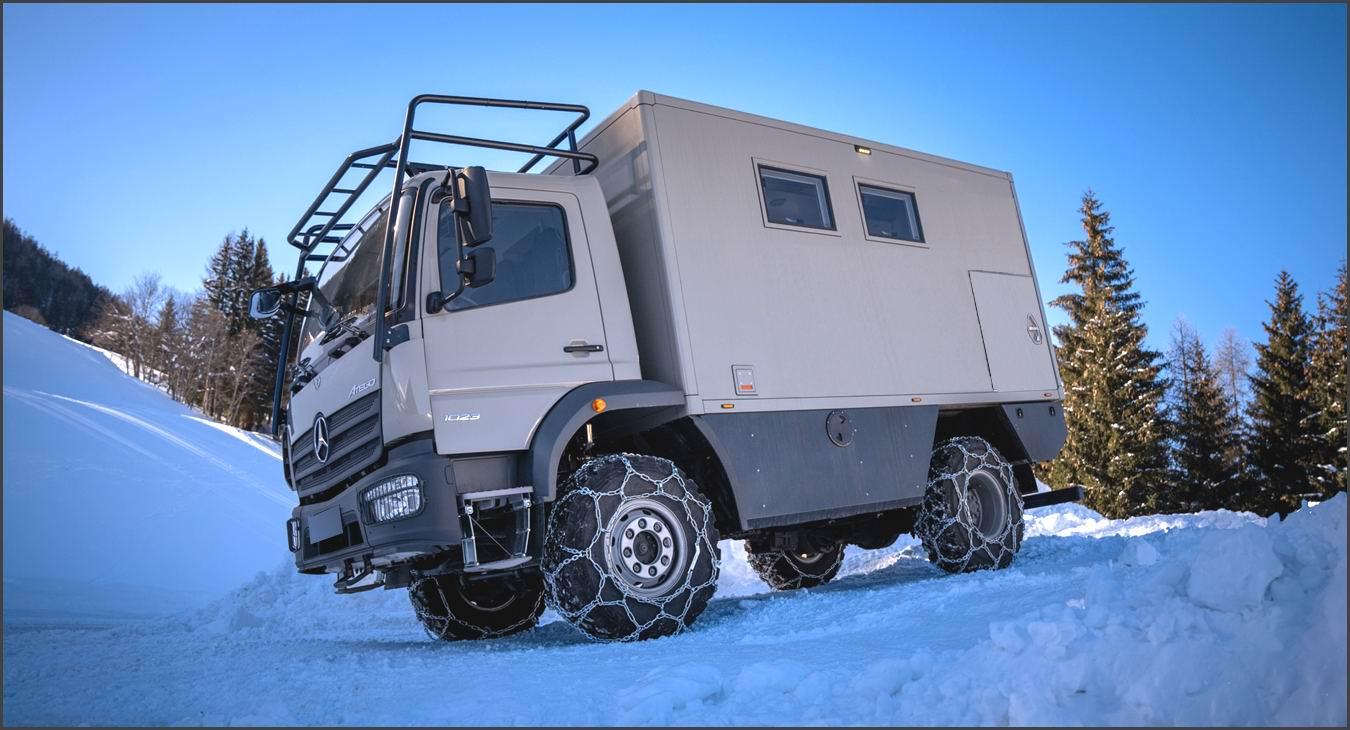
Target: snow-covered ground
1214, 618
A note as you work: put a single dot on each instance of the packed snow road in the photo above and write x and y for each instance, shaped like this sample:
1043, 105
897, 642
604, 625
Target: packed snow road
1200, 619
1214, 618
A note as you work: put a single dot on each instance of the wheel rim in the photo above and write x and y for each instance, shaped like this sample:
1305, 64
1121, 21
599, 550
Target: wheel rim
808, 558
493, 600
647, 547
986, 503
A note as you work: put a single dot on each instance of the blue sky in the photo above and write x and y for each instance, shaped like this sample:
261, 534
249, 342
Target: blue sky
136, 137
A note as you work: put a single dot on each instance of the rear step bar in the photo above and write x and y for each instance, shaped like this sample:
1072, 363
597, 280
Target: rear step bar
1057, 496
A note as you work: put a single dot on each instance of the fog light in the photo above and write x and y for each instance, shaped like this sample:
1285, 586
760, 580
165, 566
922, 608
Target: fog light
394, 499
293, 534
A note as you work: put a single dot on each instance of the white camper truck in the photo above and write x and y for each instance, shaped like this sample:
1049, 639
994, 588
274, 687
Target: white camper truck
514, 389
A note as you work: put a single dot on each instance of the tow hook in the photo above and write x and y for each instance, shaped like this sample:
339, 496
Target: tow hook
352, 581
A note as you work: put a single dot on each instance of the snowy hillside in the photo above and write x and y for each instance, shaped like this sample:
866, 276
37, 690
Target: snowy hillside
1214, 618
118, 501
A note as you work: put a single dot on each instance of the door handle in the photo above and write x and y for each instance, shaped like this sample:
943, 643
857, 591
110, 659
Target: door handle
583, 347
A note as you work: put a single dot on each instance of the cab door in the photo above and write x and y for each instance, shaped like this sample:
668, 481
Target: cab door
500, 355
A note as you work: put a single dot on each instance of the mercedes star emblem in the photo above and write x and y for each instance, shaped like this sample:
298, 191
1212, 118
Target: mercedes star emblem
321, 438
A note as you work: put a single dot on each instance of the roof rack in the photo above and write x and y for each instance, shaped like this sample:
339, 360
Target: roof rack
324, 215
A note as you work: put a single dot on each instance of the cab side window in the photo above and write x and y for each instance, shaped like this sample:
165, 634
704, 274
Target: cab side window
534, 258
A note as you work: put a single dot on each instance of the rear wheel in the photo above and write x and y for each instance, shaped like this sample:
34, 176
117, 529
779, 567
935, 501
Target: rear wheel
631, 549
786, 570
453, 609
971, 516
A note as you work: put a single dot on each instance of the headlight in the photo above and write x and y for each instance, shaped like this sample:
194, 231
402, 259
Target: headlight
394, 499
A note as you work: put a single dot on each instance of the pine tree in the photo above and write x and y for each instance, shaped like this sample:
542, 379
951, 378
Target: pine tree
168, 348
1327, 387
1283, 446
1205, 435
262, 362
1233, 362
217, 283
241, 258
1113, 388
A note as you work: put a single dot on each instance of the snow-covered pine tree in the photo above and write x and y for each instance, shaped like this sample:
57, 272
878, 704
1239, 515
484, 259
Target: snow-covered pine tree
243, 257
1282, 444
217, 280
1327, 387
1204, 433
1116, 445
262, 363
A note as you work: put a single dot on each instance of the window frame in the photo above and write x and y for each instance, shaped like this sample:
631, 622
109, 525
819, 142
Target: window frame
861, 182
567, 242
757, 164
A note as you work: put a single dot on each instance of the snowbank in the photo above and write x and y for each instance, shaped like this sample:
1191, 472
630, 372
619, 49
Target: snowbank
119, 502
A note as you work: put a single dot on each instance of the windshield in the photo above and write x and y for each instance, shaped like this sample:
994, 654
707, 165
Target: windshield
348, 278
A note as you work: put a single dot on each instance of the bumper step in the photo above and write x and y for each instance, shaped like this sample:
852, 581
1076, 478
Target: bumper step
518, 500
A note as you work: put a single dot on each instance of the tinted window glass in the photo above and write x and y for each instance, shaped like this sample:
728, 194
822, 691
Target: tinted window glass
533, 260
890, 214
348, 277
796, 199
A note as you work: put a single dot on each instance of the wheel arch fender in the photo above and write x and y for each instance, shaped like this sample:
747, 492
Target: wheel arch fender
1024, 433
574, 409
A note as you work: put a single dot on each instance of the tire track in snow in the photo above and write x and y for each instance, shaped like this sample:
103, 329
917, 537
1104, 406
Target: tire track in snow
188, 446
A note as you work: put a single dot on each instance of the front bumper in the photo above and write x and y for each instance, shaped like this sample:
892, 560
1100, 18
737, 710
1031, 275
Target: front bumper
359, 539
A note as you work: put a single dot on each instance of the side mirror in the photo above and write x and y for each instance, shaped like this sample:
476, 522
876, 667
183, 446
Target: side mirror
264, 303
473, 206
479, 267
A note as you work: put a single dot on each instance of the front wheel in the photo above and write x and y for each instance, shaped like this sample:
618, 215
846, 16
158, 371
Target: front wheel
453, 609
971, 516
630, 550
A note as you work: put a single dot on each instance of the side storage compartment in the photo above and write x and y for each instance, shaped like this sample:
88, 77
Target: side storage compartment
790, 467
1016, 341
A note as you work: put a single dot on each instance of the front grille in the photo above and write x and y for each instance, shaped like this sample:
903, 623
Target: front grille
354, 443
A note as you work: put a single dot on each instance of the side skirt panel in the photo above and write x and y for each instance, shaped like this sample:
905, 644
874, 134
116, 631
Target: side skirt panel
788, 467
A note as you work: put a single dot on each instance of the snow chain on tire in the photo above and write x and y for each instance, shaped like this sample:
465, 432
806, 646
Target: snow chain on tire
448, 614
784, 571
967, 478
592, 574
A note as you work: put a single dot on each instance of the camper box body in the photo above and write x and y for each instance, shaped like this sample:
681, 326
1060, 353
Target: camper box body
749, 316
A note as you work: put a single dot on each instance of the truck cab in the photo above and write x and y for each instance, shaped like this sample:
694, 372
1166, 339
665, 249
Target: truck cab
464, 410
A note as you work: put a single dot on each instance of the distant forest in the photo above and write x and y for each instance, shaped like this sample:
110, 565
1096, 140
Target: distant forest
201, 348
43, 288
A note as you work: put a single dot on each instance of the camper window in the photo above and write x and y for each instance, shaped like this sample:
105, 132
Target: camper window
890, 214
796, 198
533, 255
